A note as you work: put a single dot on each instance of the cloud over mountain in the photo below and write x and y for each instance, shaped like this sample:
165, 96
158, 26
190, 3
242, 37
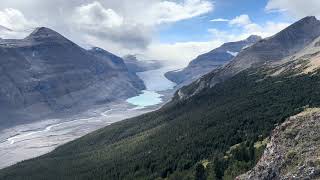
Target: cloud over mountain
295, 8
124, 27
116, 24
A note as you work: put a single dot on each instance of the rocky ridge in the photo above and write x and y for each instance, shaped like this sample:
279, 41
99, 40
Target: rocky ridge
293, 151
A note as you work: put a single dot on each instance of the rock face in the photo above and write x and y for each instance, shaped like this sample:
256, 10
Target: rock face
118, 64
293, 152
45, 74
207, 62
267, 51
134, 65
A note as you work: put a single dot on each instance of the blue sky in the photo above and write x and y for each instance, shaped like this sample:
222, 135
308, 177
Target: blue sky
196, 29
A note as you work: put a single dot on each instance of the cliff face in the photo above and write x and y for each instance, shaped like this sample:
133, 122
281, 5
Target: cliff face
293, 152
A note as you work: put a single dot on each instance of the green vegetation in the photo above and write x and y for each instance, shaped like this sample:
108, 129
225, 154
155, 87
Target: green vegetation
217, 134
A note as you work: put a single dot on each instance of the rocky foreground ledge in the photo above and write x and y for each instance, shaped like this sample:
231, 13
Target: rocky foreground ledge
293, 151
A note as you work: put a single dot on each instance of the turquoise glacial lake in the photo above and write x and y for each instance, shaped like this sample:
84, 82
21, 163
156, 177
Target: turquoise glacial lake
155, 82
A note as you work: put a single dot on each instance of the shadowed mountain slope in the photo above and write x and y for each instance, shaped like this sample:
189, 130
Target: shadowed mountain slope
47, 74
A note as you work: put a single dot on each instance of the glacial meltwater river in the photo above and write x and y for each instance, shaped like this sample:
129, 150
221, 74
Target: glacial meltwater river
155, 82
31, 140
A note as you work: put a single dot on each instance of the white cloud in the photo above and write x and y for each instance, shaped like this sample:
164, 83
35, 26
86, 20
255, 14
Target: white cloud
105, 34
10, 34
119, 23
15, 20
265, 30
170, 11
180, 53
242, 27
240, 20
13, 24
95, 23
95, 16
224, 36
220, 20
132, 25
295, 8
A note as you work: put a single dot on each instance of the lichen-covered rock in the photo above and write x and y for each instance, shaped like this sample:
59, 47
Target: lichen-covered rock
293, 151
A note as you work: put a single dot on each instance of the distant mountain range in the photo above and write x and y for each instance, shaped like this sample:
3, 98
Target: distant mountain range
221, 126
46, 74
207, 62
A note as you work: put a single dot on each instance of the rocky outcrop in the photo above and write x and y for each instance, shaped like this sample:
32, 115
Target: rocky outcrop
207, 62
293, 152
46, 74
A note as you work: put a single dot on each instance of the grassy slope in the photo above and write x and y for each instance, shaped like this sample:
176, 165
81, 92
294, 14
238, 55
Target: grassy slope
173, 140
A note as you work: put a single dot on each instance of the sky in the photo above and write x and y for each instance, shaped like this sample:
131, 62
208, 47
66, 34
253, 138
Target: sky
172, 30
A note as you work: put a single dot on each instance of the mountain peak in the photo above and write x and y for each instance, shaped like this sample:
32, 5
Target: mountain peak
309, 19
253, 38
309, 23
299, 33
44, 33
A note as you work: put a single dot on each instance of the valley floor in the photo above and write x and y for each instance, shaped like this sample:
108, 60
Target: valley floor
31, 140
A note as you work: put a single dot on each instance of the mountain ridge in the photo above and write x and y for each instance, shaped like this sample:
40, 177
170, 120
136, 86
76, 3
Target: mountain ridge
282, 44
209, 61
267, 51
